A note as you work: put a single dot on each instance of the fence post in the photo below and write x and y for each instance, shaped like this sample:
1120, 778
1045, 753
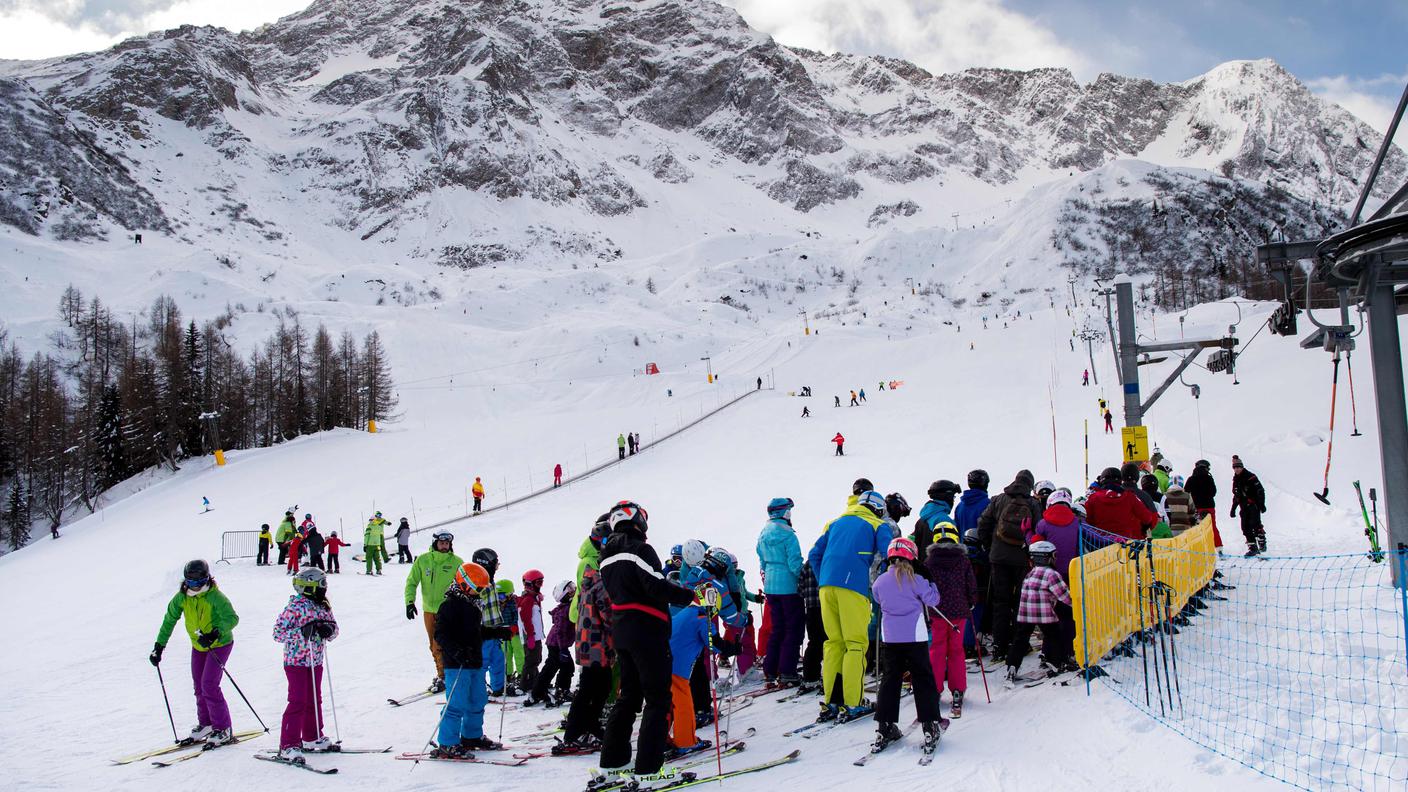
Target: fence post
1084, 614
1403, 595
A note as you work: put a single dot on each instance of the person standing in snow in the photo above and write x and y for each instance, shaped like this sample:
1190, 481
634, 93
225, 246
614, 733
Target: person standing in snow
1115, 510
862, 395
210, 623
287, 528
295, 551
842, 557
477, 492
854, 403
640, 601
1085, 375
838, 401
691, 631
1249, 496
621, 446
261, 558
1002, 529
434, 572
1109, 422
403, 542
939, 509
530, 615
557, 475
596, 654
461, 633
904, 599
304, 627
557, 666
1203, 488
840, 442
1178, 507
947, 565
374, 543
1041, 589
806, 413
334, 546
314, 542
780, 561
513, 647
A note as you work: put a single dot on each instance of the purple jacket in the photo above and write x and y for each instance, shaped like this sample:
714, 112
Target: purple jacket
562, 633
1060, 527
953, 577
903, 618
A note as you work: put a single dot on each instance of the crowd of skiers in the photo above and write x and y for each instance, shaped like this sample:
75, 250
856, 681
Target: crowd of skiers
302, 544
971, 575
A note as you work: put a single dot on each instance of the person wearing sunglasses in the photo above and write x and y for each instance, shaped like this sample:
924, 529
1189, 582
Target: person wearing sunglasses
210, 622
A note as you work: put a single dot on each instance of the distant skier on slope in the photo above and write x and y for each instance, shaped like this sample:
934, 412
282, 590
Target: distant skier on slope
840, 444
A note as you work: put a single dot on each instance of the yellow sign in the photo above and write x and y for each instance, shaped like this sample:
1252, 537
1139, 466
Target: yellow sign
1135, 440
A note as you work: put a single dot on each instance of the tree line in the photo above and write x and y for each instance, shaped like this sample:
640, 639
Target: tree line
111, 399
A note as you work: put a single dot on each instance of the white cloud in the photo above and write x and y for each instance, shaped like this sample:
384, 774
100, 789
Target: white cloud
940, 35
48, 28
1366, 98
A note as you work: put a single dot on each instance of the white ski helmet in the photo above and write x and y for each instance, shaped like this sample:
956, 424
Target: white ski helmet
563, 589
692, 552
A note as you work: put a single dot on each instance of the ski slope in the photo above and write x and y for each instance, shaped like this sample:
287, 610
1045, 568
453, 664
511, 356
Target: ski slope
80, 614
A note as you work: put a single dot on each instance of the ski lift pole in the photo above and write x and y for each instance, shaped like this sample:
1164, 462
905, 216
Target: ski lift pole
1353, 408
1324, 495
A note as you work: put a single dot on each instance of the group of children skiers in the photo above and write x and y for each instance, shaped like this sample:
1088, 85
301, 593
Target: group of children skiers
973, 571
302, 544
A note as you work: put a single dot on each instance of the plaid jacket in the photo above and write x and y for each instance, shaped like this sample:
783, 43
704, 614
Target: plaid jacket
594, 647
807, 587
1040, 591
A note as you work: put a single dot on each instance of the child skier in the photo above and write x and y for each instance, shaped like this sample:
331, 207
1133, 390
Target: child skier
265, 539
295, 549
513, 648
595, 654
559, 652
491, 606
334, 545
210, 622
1041, 589
947, 563
530, 620
692, 629
904, 598
303, 627
403, 542
461, 634
374, 543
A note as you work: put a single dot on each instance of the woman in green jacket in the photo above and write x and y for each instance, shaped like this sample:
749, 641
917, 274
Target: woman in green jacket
210, 622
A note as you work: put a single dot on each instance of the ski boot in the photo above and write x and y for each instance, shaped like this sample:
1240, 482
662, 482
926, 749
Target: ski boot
448, 752
562, 696
814, 686
292, 754
200, 734
1010, 678
674, 753
533, 700
956, 709
587, 743
480, 744
437, 685
848, 714
933, 730
320, 745
1260, 543
786, 682
829, 712
218, 738
1252, 551
885, 733
703, 718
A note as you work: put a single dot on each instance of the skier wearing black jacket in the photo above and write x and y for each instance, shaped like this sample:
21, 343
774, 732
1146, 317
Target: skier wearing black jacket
1203, 488
640, 606
1249, 496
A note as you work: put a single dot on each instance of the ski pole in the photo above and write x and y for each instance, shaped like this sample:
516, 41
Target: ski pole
167, 699
1143, 646
1147, 596
1173, 647
1353, 409
503, 697
978, 642
449, 696
317, 700
332, 696
711, 600
236, 685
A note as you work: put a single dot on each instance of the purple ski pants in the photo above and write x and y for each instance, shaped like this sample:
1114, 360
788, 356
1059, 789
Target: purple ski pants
206, 670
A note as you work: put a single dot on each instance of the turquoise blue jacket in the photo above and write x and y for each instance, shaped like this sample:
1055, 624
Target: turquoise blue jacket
779, 557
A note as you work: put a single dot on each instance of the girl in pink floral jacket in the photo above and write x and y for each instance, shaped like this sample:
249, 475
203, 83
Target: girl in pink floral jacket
303, 627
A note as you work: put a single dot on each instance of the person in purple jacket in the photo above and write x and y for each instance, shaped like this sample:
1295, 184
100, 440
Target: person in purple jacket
904, 598
558, 662
948, 566
1062, 527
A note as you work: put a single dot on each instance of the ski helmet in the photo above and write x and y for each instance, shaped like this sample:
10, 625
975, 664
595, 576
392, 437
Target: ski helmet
264, 527
628, 512
677, 553
1061, 495
971, 539
378, 514
1044, 486
505, 586
487, 559
197, 575
861, 485
1202, 463
781, 508
896, 506
1042, 553
563, 590
978, 479
1078, 506
717, 561
310, 582
1176, 481
903, 547
533, 578
874, 501
943, 489
600, 529
443, 536
472, 578
1109, 477
946, 533
693, 552
1129, 471
307, 516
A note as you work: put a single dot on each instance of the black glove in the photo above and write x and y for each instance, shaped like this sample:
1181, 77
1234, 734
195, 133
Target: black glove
500, 633
1234, 510
411, 610
319, 627
155, 656
762, 598
205, 639
326, 629
1263, 508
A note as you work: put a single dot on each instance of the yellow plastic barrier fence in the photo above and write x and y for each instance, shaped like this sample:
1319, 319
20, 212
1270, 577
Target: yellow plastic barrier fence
1105, 586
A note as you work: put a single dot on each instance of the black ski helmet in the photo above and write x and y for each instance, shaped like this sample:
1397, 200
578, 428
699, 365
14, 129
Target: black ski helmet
943, 489
1109, 477
601, 529
896, 506
861, 485
978, 479
1202, 463
486, 558
196, 573
1129, 472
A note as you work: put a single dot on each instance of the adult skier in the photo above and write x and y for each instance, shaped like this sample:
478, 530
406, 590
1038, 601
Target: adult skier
840, 442
434, 571
1249, 496
842, 557
374, 543
287, 528
303, 627
640, 604
939, 509
1203, 488
210, 623
477, 492
780, 561
1115, 509
1002, 529
621, 446
403, 542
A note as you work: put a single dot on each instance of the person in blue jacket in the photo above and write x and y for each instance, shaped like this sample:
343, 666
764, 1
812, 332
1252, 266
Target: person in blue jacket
842, 557
691, 631
939, 509
971, 505
780, 559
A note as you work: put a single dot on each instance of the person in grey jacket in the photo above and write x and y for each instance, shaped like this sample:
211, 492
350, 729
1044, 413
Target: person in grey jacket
403, 542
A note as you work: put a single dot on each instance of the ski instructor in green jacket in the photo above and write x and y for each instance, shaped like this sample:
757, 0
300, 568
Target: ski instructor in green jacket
374, 543
210, 622
433, 571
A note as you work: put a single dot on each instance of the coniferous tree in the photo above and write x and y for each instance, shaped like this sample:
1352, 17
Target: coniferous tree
110, 443
376, 378
16, 516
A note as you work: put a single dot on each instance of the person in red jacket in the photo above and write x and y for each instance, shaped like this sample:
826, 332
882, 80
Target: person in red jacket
557, 475
1116, 510
840, 444
295, 547
333, 545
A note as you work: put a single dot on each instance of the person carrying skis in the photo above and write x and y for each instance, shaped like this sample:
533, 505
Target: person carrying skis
513, 647
904, 599
334, 546
947, 565
374, 543
304, 627
1002, 529
596, 654
1203, 488
315, 543
530, 616
403, 542
558, 663
434, 572
287, 528
1041, 589
780, 561
840, 442
842, 557
210, 623
640, 602
476, 491
939, 509
265, 539
1249, 496
461, 633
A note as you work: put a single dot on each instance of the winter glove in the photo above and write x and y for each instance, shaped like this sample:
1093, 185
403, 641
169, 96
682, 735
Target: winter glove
411, 610
155, 656
1263, 508
762, 598
205, 639
1234, 510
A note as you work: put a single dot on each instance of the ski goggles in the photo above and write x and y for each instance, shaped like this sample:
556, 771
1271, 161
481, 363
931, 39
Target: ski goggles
195, 584
443, 536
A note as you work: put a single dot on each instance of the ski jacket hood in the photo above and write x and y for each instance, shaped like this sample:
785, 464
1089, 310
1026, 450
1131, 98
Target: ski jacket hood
588, 557
954, 579
970, 507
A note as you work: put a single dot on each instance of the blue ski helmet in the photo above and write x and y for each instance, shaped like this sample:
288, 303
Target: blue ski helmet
874, 501
780, 507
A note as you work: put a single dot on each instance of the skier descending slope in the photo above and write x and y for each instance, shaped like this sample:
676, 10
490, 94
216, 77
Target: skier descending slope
303, 627
210, 622
434, 571
640, 603
904, 598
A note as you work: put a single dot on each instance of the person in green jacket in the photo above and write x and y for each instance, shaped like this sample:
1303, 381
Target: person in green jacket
589, 557
210, 622
284, 535
374, 543
433, 571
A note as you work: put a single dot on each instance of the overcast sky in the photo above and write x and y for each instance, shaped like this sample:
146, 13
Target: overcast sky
1350, 51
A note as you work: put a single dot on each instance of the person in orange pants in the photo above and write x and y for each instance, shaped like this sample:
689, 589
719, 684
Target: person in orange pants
691, 630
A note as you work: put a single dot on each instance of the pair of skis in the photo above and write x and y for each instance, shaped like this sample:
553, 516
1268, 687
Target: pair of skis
273, 756
178, 746
683, 779
926, 751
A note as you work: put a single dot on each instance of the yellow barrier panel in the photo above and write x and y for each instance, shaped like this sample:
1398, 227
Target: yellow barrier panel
371, 427
219, 457
1105, 594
